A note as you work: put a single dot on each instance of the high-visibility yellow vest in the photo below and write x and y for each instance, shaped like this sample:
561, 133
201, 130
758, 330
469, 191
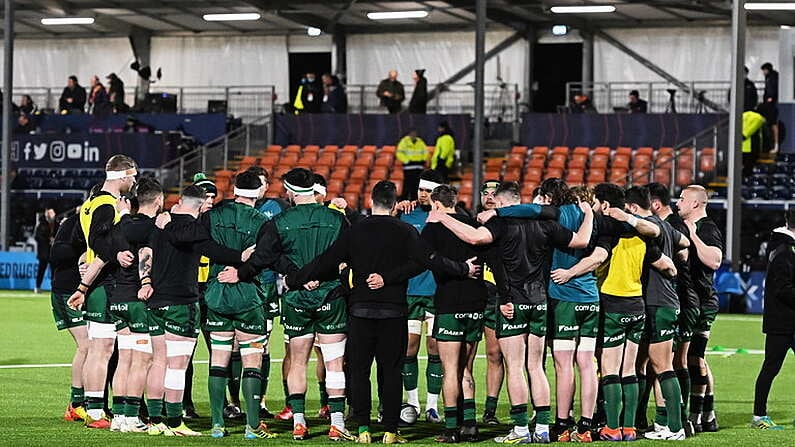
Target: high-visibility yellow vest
87, 214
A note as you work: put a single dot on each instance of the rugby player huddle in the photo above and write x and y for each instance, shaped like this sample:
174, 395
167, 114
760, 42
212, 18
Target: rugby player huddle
601, 274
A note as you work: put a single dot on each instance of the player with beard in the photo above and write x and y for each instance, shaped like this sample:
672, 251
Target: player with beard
420, 296
495, 364
98, 215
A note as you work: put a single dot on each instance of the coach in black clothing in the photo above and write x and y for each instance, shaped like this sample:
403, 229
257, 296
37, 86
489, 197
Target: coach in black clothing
778, 322
377, 304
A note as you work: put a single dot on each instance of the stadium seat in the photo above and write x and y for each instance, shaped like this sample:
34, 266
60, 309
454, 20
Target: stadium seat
536, 162
494, 163
274, 148
553, 173
618, 176
359, 173
562, 150
620, 161
575, 176
599, 161
350, 148
640, 177
346, 159
557, 162
311, 148
352, 199
354, 186
466, 188
515, 160
595, 176
540, 151
397, 174
641, 161
327, 159
379, 173
533, 175
684, 177
644, 151
335, 186
289, 159
330, 148
340, 172
512, 175
577, 162
365, 159
624, 151
388, 149
323, 171
582, 150
662, 175
369, 149
601, 150
293, 149
519, 150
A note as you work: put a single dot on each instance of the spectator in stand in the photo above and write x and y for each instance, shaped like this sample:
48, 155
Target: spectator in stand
637, 105
391, 92
73, 98
27, 106
444, 154
98, 104
753, 139
44, 235
116, 93
334, 98
24, 124
310, 93
769, 112
419, 98
582, 104
413, 153
771, 83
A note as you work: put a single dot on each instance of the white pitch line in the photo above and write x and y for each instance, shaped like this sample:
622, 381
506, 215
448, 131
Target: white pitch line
731, 351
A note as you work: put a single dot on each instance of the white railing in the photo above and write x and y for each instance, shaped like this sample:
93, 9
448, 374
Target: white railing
608, 95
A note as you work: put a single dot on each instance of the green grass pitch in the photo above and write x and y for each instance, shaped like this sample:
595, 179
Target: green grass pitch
32, 400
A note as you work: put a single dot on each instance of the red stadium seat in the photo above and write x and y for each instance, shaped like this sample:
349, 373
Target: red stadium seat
365, 159
641, 161
684, 177
533, 175
519, 150
350, 148
354, 186
293, 149
340, 172
582, 150
397, 174
388, 149
515, 160
662, 176
334, 186
640, 177
620, 161
359, 173
595, 176
577, 162
512, 175
601, 150
379, 173
274, 149
311, 148
624, 151
557, 162
494, 163
553, 173
330, 148
369, 149
562, 150
599, 161
644, 151
536, 162
352, 199
575, 176
540, 150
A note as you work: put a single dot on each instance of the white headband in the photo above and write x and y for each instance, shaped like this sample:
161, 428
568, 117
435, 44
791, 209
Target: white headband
118, 175
247, 193
320, 189
429, 185
298, 190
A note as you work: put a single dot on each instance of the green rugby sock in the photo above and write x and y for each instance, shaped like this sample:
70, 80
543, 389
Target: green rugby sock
251, 385
469, 412
236, 370
491, 404
117, 408
216, 385
450, 417
629, 386
174, 414
321, 387
611, 387
77, 396
155, 408
132, 406
411, 370
434, 374
266, 372
669, 385
519, 415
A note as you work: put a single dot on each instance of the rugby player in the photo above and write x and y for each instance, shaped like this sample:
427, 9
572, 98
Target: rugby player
522, 323
706, 254
300, 234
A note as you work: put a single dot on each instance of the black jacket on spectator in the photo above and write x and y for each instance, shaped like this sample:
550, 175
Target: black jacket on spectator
419, 98
44, 234
395, 88
312, 96
78, 95
771, 86
779, 313
335, 100
751, 96
639, 106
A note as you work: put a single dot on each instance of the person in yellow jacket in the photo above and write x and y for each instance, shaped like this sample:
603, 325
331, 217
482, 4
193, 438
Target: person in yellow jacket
444, 154
413, 154
753, 136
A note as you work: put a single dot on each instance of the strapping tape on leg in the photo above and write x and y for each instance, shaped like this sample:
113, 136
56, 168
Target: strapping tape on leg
101, 330
301, 337
332, 351
221, 342
415, 327
563, 345
124, 341
176, 348
698, 346
254, 346
335, 380
587, 344
175, 379
142, 343
429, 317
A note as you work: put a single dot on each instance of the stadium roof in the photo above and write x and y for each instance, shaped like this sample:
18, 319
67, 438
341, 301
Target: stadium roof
180, 17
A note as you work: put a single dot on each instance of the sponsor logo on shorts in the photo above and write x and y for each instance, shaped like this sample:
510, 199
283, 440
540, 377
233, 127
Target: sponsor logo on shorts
74, 320
215, 323
292, 328
513, 327
331, 327
666, 332
473, 316
564, 328
586, 308
120, 307
612, 339
251, 327
631, 319
445, 331
324, 308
